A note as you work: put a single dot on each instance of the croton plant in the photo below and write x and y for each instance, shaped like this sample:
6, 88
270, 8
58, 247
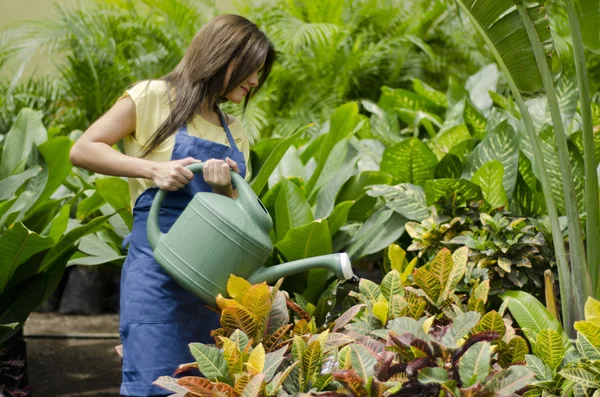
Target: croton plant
411, 335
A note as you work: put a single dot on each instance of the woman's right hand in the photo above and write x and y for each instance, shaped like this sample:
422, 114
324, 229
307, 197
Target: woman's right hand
172, 175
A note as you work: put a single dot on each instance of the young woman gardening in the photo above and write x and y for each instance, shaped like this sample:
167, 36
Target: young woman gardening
166, 125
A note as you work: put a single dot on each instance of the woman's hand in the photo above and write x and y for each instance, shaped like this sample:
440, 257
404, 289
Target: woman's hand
218, 175
173, 175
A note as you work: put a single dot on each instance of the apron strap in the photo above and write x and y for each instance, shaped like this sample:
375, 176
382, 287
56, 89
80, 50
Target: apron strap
227, 131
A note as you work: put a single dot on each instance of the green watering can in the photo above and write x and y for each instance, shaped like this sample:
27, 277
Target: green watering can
216, 236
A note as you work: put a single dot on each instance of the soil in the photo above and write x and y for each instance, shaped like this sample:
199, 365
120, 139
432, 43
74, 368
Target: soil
73, 356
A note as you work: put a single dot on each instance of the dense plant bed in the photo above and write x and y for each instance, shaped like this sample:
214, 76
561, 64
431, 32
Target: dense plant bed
413, 334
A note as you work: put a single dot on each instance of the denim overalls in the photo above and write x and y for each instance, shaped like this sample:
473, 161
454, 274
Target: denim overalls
159, 318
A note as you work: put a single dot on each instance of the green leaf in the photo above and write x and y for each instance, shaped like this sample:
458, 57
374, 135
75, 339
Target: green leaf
18, 244
475, 120
509, 380
355, 189
343, 124
408, 325
448, 139
89, 205
501, 145
10, 185
290, 166
409, 161
210, 361
272, 362
116, 193
394, 100
406, 199
475, 364
369, 289
27, 130
540, 369
306, 241
549, 348
460, 327
391, 285
381, 229
275, 156
548, 147
581, 377
339, 216
291, 209
505, 33
459, 191
99, 252
489, 179
69, 239
588, 13
514, 352
58, 225
430, 375
455, 273
449, 167
338, 168
491, 321
531, 313
363, 362
587, 348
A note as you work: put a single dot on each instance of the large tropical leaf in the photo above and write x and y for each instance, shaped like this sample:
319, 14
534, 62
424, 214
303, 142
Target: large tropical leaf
409, 161
18, 244
589, 16
530, 313
383, 228
291, 209
306, 241
406, 199
501, 26
27, 130
501, 145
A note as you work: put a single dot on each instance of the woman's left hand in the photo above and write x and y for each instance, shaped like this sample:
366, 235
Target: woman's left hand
218, 175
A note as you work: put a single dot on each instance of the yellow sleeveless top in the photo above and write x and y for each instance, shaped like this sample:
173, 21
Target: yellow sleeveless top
152, 109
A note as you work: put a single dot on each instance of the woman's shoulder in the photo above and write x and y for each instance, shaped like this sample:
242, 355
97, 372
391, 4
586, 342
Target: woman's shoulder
147, 90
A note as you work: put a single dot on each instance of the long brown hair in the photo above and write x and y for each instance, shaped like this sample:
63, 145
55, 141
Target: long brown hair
198, 80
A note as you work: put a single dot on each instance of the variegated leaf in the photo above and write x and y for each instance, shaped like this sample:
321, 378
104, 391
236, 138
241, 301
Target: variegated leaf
581, 377
549, 348
428, 283
540, 369
475, 364
514, 352
501, 145
363, 362
491, 321
391, 285
210, 361
457, 271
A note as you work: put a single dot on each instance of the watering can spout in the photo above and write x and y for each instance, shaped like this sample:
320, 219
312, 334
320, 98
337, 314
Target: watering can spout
338, 264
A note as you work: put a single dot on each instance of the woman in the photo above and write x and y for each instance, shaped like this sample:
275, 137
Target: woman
166, 125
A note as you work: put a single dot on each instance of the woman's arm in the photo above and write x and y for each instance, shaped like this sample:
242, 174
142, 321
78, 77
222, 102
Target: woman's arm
93, 151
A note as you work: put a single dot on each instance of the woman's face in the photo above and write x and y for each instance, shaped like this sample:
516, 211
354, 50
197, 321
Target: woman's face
238, 94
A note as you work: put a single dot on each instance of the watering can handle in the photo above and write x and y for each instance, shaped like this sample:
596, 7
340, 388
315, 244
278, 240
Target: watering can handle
154, 233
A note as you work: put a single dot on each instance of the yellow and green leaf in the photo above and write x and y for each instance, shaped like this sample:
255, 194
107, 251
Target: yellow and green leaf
237, 287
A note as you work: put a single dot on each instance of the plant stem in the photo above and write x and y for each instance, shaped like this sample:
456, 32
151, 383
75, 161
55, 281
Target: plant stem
589, 158
582, 287
564, 274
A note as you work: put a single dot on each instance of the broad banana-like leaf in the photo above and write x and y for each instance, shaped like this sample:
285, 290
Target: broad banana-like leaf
505, 33
588, 12
291, 209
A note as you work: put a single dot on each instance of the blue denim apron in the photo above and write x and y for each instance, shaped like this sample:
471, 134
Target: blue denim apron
158, 317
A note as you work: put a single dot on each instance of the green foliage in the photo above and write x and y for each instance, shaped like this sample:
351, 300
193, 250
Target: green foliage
558, 367
36, 234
